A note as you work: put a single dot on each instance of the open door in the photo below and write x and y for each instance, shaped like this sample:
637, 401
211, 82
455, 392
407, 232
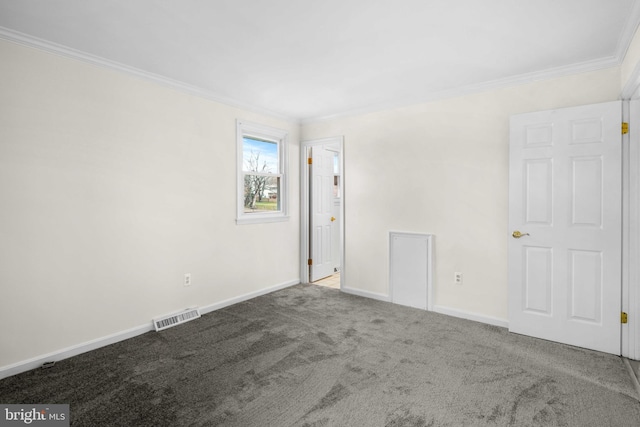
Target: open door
323, 218
565, 204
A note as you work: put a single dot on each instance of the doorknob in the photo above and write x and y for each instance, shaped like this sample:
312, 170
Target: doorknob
333, 219
517, 234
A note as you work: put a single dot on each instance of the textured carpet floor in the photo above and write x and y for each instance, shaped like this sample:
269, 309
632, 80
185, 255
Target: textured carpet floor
313, 356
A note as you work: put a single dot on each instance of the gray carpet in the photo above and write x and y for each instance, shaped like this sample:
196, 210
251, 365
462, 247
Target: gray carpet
313, 356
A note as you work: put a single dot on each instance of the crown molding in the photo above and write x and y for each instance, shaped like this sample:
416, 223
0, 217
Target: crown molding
631, 87
625, 39
628, 31
584, 67
65, 51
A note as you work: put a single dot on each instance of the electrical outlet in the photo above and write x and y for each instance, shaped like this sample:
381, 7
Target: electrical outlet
187, 279
457, 278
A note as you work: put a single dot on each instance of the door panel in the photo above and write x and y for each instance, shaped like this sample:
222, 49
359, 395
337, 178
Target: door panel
586, 186
538, 278
586, 285
565, 197
538, 184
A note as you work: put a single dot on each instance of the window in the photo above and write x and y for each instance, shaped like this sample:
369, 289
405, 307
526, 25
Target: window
262, 164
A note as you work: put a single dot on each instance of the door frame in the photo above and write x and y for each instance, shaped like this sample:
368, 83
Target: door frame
631, 216
304, 206
631, 227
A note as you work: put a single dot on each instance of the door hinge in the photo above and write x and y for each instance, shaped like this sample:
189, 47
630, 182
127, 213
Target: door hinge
624, 318
309, 261
309, 161
625, 128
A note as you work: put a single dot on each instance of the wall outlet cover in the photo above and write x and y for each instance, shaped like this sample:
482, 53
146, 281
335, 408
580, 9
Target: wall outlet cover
457, 278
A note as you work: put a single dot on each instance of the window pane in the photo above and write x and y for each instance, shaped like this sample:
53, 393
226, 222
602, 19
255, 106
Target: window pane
262, 183
261, 193
259, 156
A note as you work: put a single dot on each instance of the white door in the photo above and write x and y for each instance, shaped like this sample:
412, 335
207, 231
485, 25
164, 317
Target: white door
322, 220
565, 185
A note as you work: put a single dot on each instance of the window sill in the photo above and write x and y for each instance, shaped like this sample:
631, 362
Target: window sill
259, 219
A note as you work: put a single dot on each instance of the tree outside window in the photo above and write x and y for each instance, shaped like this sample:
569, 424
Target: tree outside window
261, 178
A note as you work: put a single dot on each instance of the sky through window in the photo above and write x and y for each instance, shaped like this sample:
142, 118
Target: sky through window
268, 152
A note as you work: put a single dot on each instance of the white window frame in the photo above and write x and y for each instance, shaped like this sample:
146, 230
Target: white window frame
278, 136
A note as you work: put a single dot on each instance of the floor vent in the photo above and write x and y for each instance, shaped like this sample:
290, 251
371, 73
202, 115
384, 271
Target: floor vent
165, 322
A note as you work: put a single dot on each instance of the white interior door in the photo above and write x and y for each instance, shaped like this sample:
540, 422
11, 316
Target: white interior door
565, 186
322, 220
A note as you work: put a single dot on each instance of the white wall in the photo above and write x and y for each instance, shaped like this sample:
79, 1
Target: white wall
442, 168
111, 188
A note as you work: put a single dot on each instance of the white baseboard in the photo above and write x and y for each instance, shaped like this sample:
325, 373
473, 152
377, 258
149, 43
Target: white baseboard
246, 297
36, 362
495, 321
366, 294
56, 356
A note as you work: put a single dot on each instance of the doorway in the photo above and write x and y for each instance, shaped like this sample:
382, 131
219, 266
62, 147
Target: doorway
322, 216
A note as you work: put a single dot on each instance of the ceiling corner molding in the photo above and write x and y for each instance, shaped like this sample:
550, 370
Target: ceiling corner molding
631, 87
628, 31
65, 51
537, 76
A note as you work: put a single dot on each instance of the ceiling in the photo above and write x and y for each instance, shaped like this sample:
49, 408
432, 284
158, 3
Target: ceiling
304, 59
